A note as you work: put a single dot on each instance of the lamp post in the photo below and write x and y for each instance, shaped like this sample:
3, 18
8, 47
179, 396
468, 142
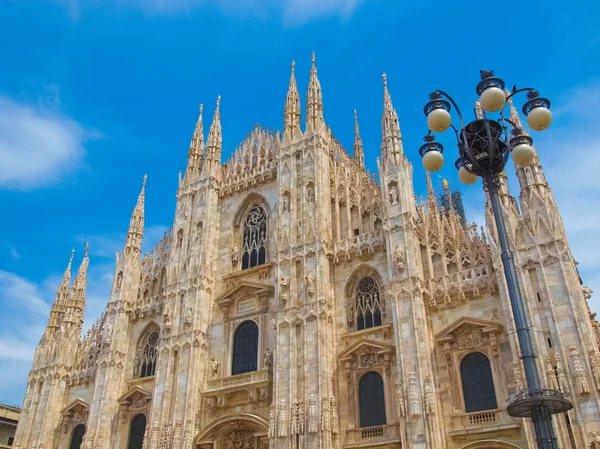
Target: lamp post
483, 148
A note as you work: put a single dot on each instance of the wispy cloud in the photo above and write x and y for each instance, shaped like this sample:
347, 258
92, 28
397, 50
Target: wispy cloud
291, 11
14, 254
19, 291
38, 144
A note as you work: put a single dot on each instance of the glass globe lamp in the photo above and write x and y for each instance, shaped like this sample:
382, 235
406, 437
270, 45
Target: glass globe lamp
433, 161
438, 120
466, 177
492, 99
539, 118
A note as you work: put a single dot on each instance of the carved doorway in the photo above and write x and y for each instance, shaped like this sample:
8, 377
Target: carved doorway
236, 431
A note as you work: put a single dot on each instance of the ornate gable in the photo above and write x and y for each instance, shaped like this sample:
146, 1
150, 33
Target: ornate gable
469, 332
247, 295
365, 353
76, 409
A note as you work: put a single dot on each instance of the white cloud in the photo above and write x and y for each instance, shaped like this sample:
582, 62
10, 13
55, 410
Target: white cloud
18, 291
14, 254
292, 11
37, 144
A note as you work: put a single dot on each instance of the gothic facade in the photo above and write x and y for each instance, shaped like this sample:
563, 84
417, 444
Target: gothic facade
301, 302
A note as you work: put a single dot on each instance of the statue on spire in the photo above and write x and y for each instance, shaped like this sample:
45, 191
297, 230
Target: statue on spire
359, 155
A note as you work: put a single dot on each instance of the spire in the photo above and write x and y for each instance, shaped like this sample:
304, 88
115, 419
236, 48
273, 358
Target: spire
391, 145
196, 153
81, 280
136, 225
62, 295
214, 145
314, 100
291, 115
478, 110
359, 155
514, 116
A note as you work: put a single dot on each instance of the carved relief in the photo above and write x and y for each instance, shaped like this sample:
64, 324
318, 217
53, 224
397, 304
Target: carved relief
335, 421
312, 414
401, 411
272, 421
282, 420
413, 395
240, 439
579, 372
325, 414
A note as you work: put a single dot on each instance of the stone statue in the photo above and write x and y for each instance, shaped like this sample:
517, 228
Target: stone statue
393, 195
235, 254
214, 368
595, 440
167, 318
528, 176
268, 357
310, 280
399, 255
188, 315
310, 195
286, 203
587, 292
106, 334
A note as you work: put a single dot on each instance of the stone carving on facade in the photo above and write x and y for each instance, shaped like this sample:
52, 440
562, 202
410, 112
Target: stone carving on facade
106, 334
166, 436
310, 282
284, 283
240, 439
562, 378
286, 202
177, 434
429, 396
393, 195
295, 420
312, 414
335, 420
325, 424
272, 421
518, 376
401, 410
594, 440
551, 374
282, 420
413, 395
167, 319
579, 372
214, 367
268, 358
188, 315
235, 255
595, 365
187, 434
399, 258
310, 194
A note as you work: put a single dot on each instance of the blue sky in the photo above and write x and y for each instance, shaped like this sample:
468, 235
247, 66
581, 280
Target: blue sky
96, 93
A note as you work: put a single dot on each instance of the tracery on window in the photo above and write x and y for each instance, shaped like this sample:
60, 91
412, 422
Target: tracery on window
368, 304
145, 360
477, 383
254, 249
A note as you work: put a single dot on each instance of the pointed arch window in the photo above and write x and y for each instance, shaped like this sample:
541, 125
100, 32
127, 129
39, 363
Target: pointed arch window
77, 437
254, 250
477, 383
245, 348
368, 304
137, 428
149, 355
371, 399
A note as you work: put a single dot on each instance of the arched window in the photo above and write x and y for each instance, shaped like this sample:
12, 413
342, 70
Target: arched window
371, 400
254, 251
137, 428
368, 304
77, 437
245, 348
149, 355
477, 383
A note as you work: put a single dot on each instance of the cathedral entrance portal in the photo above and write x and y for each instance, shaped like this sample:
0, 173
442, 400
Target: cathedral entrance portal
238, 431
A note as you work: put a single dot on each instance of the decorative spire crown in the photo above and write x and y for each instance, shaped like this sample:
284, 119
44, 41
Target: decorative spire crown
291, 115
196, 153
215, 135
136, 224
314, 100
391, 146
358, 144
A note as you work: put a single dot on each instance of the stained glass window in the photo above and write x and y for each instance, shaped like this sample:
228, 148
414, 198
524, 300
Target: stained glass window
368, 304
254, 251
245, 348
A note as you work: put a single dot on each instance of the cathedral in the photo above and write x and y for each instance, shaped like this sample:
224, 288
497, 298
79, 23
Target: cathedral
301, 302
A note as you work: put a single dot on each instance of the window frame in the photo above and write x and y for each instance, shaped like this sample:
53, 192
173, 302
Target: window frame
380, 306
232, 346
78, 426
242, 236
130, 426
460, 361
359, 380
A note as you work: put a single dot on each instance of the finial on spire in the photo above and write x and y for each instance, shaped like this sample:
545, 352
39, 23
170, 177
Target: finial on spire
144, 182
445, 183
358, 144
314, 101
200, 112
313, 57
293, 65
136, 224
291, 114
87, 249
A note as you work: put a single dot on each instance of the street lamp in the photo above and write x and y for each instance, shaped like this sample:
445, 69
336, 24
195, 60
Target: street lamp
483, 147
